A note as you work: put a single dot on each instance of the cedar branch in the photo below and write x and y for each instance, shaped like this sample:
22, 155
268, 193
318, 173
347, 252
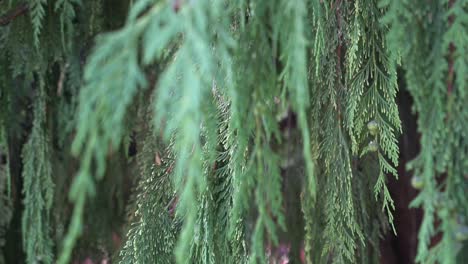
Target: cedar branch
21, 9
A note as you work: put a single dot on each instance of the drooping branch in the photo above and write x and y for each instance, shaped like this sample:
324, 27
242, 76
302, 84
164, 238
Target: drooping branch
21, 9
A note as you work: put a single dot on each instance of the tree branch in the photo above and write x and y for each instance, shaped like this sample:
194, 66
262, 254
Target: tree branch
21, 9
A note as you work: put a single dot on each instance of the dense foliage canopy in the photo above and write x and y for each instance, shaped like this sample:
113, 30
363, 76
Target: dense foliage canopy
239, 124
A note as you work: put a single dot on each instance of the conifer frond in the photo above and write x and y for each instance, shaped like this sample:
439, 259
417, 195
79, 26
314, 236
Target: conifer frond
152, 235
232, 97
183, 92
67, 14
455, 41
342, 232
38, 187
373, 86
5, 183
152, 226
293, 44
37, 13
5, 178
97, 134
436, 80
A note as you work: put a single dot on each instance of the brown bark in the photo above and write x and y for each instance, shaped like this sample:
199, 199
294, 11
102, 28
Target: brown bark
21, 9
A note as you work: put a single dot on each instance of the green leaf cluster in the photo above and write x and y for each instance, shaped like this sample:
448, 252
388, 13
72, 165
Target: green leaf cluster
202, 91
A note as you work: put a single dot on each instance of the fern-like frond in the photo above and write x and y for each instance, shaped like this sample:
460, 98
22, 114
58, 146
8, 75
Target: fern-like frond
372, 112
66, 8
37, 13
38, 187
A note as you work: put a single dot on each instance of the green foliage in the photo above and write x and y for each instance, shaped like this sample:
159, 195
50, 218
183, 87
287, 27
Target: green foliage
200, 90
373, 84
349, 96
38, 187
151, 237
37, 11
435, 75
5, 191
340, 233
67, 14
5, 177
105, 133
152, 233
294, 54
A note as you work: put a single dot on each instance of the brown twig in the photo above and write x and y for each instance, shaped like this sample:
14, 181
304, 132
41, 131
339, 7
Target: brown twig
61, 80
452, 48
21, 9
